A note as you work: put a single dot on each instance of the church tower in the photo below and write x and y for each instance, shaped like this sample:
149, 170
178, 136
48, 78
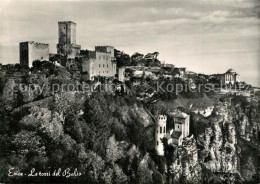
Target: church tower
160, 132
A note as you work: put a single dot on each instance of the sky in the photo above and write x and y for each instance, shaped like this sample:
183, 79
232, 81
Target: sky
206, 36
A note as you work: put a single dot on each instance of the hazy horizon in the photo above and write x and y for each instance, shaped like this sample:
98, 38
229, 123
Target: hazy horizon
206, 36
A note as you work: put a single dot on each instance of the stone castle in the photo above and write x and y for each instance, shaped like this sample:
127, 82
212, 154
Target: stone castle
101, 62
67, 39
31, 51
174, 136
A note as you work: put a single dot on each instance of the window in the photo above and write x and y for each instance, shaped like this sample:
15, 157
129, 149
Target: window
107, 65
178, 126
157, 143
99, 65
160, 129
103, 65
164, 130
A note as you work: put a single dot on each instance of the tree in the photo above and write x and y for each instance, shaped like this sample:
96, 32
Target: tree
113, 153
118, 175
123, 60
9, 97
44, 122
144, 175
94, 165
28, 141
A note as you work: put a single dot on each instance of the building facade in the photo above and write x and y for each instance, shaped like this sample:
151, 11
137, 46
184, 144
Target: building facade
160, 133
230, 77
176, 135
67, 39
100, 62
181, 128
181, 123
31, 51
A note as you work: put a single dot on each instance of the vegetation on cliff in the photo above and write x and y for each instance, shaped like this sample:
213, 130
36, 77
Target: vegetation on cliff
108, 137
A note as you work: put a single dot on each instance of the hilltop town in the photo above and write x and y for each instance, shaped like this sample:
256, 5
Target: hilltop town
108, 63
141, 121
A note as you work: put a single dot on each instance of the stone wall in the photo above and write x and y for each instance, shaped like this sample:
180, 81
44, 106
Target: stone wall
121, 74
99, 64
31, 51
106, 49
67, 39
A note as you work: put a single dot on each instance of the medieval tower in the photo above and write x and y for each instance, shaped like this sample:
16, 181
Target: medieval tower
160, 132
31, 51
67, 39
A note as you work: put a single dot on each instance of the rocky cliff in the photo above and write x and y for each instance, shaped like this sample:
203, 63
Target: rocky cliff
224, 147
109, 138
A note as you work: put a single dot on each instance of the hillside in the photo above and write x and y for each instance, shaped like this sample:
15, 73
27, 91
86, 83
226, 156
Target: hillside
108, 137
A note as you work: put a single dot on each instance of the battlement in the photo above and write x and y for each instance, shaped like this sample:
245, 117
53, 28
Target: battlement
104, 46
76, 46
31, 51
104, 49
162, 117
92, 55
88, 54
35, 43
66, 22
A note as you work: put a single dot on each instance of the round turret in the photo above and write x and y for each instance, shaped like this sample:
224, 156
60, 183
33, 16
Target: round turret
160, 133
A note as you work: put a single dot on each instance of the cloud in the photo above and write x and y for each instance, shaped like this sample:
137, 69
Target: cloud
184, 32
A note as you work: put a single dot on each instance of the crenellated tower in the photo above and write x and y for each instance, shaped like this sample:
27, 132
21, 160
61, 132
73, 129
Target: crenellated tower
160, 132
67, 39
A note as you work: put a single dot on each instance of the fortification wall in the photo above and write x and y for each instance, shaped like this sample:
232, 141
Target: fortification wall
88, 66
38, 51
31, 51
24, 54
67, 39
106, 49
103, 65
121, 74
67, 32
73, 29
99, 64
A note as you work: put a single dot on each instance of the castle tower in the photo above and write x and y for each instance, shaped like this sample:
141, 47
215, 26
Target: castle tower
67, 39
31, 51
160, 132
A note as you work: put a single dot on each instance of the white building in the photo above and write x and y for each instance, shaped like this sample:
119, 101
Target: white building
181, 123
174, 136
181, 128
100, 62
230, 77
160, 133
